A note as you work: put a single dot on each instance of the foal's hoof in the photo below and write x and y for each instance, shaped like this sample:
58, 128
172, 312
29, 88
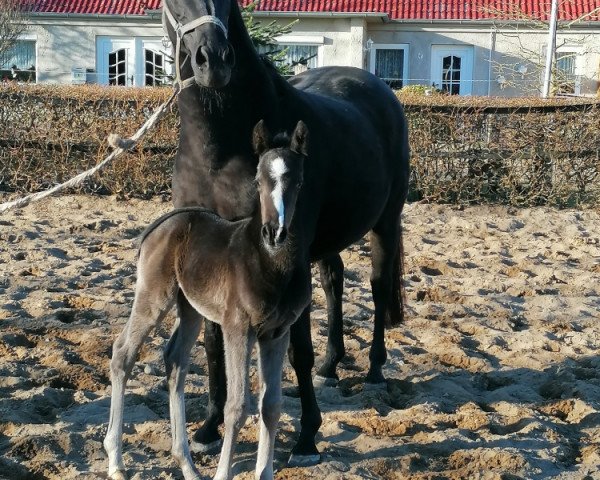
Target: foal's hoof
211, 448
304, 460
119, 475
320, 381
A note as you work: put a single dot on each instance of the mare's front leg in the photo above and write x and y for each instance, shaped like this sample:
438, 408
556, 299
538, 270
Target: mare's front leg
149, 308
332, 280
271, 356
238, 343
302, 358
207, 438
177, 360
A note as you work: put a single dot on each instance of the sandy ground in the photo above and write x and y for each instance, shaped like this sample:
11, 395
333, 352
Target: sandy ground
495, 374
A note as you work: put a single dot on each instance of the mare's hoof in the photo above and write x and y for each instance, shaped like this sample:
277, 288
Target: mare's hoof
304, 460
119, 475
375, 377
211, 448
320, 381
375, 387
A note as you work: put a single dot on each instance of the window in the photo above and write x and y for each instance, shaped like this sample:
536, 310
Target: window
451, 75
566, 79
297, 57
299, 52
117, 67
390, 62
154, 68
18, 62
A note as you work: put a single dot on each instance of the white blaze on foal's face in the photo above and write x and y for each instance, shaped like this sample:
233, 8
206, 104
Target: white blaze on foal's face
277, 170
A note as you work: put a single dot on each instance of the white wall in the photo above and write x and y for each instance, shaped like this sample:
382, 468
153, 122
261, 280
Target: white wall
64, 44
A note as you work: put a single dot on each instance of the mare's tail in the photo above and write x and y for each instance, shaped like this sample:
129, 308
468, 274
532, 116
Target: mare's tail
395, 313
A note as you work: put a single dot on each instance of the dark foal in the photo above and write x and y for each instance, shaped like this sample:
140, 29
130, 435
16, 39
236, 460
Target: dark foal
252, 277
359, 180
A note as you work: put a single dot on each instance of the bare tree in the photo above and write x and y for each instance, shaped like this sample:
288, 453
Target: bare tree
525, 72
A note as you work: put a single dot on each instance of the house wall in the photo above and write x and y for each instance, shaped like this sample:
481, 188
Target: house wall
63, 44
497, 51
502, 49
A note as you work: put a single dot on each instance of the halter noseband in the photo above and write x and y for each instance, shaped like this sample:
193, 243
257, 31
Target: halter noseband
180, 31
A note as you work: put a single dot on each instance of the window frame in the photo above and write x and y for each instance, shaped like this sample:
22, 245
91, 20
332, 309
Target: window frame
391, 46
28, 37
304, 40
577, 52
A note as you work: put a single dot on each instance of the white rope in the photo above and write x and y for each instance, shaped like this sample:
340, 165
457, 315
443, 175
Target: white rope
119, 144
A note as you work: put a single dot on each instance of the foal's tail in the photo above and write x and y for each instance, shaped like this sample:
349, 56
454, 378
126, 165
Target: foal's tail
395, 314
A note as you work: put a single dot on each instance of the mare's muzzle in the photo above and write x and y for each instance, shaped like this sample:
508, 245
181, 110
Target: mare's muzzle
273, 235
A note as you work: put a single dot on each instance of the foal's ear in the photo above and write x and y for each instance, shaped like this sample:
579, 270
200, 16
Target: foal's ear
261, 138
299, 142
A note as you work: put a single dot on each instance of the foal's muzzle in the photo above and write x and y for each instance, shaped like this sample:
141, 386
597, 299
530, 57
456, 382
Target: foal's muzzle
273, 235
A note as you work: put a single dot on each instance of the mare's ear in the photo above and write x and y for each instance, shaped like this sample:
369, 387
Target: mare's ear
261, 138
299, 142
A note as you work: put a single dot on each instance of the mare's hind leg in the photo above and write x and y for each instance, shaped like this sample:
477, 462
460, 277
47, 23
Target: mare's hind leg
271, 356
385, 238
207, 438
149, 308
177, 360
238, 342
302, 358
332, 279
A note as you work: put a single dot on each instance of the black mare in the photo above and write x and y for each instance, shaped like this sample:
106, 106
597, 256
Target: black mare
358, 182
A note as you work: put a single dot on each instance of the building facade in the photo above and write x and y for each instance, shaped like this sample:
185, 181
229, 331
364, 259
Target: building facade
466, 48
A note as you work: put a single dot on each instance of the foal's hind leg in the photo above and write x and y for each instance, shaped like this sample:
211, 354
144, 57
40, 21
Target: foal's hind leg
207, 437
149, 308
332, 280
271, 356
384, 238
177, 358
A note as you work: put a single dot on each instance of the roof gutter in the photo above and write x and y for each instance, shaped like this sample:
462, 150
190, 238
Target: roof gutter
96, 16
487, 22
384, 17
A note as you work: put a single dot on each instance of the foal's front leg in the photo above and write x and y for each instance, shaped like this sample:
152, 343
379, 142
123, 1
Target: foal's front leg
238, 341
271, 356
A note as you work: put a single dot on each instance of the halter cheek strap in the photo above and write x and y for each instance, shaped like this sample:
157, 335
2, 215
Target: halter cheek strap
180, 31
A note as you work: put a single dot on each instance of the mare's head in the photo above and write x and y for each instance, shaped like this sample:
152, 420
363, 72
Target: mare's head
199, 27
279, 177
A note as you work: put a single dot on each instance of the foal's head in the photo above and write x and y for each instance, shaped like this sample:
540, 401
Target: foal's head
279, 178
202, 27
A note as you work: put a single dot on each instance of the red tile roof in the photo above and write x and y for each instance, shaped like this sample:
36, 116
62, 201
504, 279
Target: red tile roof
97, 7
442, 9
396, 9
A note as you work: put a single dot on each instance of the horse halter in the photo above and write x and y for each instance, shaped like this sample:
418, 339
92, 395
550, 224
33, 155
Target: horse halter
180, 31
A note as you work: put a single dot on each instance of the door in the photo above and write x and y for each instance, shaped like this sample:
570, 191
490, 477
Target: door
116, 61
452, 68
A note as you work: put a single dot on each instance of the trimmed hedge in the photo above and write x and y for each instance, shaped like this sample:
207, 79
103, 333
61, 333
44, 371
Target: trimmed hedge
519, 151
